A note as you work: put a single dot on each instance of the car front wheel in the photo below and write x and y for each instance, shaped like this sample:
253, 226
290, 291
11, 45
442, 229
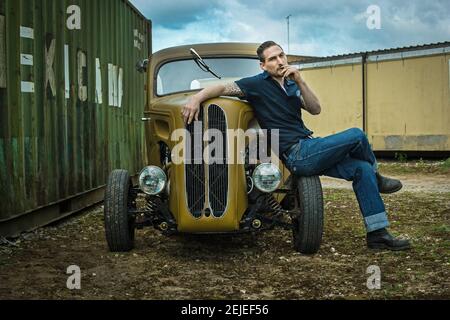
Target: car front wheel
308, 225
119, 225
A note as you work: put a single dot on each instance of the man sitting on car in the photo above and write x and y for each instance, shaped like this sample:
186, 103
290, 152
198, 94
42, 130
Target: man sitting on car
275, 96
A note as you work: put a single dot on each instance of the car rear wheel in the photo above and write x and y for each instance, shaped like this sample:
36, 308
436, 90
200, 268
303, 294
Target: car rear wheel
308, 225
119, 225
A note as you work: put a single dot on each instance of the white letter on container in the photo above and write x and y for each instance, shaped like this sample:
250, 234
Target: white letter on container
49, 73
66, 72
82, 89
120, 88
98, 82
112, 85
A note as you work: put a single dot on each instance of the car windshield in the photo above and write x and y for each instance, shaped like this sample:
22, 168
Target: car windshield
178, 76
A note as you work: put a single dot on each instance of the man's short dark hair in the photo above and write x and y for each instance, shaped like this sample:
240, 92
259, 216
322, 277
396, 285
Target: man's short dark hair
263, 47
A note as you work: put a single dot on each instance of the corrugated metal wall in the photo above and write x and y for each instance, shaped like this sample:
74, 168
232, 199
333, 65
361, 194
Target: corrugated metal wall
400, 98
71, 101
408, 103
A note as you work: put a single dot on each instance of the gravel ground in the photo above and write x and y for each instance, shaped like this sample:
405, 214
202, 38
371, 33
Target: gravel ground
249, 266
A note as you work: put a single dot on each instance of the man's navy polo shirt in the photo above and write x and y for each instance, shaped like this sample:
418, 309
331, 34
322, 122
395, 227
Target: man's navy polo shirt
276, 109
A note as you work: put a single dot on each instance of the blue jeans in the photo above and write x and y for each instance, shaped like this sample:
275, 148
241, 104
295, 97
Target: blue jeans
345, 155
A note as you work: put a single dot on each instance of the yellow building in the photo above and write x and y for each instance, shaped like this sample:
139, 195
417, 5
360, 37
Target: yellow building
399, 97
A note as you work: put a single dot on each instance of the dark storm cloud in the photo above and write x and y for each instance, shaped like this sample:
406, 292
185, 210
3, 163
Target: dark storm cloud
316, 27
175, 14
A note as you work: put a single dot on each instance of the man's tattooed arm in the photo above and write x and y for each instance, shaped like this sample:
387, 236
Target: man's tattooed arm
233, 90
192, 107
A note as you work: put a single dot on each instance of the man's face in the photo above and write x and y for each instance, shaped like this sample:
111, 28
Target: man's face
275, 58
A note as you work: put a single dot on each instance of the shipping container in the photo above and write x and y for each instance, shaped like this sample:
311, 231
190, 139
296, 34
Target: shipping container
71, 103
399, 97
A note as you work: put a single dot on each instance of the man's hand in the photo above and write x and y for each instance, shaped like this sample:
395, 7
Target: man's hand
310, 101
192, 108
191, 111
292, 73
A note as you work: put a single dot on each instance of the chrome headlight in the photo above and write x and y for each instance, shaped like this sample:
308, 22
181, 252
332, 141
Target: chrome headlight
267, 177
152, 180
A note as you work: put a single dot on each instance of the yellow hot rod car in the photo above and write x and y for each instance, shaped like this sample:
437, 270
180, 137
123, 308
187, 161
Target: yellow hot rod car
195, 195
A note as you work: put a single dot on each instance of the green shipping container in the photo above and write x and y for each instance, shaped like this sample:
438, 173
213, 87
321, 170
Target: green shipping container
71, 103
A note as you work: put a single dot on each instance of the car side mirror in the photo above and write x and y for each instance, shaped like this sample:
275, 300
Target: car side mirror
141, 65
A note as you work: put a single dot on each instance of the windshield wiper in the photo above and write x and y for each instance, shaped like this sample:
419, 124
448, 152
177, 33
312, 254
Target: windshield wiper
202, 64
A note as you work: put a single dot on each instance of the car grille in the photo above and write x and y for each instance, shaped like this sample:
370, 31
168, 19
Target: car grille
218, 171
195, 172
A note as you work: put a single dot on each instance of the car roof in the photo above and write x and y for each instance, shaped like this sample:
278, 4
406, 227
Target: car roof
207, 49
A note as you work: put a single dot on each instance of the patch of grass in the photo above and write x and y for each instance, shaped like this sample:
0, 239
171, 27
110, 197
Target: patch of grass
401, 157
446, 164
415, 166
442, 229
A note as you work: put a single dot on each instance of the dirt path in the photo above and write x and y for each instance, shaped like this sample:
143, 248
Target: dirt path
429, 183
259, 266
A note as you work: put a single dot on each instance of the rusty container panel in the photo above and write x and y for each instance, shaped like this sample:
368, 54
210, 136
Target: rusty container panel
71, 100
408, 101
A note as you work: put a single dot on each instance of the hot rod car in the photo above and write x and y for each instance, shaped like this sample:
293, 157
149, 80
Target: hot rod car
196, 195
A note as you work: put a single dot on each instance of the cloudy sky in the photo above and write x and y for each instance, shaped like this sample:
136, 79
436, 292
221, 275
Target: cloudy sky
317, 28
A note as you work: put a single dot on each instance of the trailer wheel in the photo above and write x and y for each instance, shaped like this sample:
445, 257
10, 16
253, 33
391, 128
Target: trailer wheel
308, 226
119, 225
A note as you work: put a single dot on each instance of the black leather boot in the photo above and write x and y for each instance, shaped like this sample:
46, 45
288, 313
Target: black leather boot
382, 239
388, 185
